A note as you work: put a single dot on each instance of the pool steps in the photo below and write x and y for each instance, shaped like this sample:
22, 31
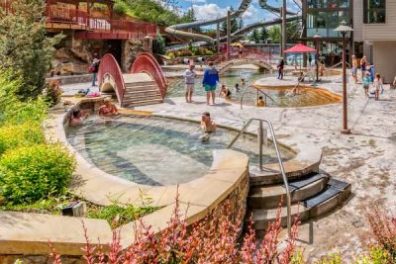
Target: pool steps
141, 93
313, 195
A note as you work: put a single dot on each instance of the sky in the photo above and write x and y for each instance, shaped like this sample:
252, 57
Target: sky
209, 9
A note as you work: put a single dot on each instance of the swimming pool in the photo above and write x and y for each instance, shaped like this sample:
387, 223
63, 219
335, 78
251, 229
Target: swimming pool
157, 151
275, 97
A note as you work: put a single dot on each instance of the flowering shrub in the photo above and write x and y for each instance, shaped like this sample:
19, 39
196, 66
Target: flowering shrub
383, 226
215, 239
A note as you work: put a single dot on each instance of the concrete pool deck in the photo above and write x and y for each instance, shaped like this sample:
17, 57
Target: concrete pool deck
365, 158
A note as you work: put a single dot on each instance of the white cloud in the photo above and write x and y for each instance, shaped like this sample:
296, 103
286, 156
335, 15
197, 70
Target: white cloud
209, 11
250, 13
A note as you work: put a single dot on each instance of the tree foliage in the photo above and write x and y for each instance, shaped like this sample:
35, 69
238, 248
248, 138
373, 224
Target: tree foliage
24, 46
293, 31
159, 45
234, 24
160, 12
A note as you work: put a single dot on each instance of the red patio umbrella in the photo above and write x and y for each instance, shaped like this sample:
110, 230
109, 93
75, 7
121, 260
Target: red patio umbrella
300, 48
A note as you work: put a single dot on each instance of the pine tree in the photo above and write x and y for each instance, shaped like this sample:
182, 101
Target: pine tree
255, 36
24, 46
263, 35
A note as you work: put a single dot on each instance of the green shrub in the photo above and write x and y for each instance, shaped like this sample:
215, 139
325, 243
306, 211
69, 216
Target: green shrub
12, 109
23, 135
53, 92
28, 174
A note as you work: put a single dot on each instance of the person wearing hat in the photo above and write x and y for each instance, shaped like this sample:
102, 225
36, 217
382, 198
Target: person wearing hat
108, 108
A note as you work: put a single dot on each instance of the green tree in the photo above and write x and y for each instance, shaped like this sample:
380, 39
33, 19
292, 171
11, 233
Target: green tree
274, 33
150, 11
263, 34
234, 24
24, 46
159, 45
255, 36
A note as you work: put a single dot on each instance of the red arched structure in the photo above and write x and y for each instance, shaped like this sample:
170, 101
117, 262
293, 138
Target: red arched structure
110, 72
145, 62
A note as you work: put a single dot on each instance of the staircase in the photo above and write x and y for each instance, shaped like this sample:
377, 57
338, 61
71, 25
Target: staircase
312, 195
140, 90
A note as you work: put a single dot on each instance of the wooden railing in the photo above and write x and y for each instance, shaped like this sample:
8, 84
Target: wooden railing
72, 17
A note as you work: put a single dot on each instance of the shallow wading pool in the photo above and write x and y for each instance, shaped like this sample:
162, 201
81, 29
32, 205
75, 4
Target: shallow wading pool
279, 97
158, 151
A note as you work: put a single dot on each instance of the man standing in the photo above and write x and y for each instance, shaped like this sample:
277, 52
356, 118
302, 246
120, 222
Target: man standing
94, 68
210, 80
189, 79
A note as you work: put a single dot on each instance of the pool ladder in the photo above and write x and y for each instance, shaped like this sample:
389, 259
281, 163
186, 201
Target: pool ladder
261, 135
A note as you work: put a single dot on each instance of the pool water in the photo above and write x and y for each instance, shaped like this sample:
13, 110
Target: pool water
275, 97
157, 151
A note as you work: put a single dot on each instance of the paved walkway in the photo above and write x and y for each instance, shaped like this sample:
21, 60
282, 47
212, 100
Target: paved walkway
365, 158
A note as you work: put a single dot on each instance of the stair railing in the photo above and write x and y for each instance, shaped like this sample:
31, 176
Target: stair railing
257, 92
280, 162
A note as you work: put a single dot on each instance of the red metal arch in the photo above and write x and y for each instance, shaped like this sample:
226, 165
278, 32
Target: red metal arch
109, 68
146, 62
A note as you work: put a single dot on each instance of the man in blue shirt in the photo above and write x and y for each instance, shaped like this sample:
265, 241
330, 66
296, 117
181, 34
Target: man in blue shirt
210, 80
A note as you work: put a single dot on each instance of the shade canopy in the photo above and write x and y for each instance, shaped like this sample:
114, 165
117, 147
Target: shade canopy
300, 48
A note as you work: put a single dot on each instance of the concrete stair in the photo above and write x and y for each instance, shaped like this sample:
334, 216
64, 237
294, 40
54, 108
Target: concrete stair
141, 93
313, 195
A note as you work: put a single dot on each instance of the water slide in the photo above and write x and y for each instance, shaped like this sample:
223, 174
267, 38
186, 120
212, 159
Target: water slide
179, 29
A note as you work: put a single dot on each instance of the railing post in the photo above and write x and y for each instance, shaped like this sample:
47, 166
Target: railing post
260, 134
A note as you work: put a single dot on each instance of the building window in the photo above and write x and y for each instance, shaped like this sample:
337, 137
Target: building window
374, 11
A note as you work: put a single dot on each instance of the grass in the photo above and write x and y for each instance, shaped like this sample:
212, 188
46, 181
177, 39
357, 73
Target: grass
116, 215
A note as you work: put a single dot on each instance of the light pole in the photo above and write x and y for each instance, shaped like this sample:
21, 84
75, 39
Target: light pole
344, 29
316, 38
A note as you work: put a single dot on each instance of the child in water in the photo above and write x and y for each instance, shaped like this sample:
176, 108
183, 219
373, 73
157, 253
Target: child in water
237, 87
208, 126
260, 102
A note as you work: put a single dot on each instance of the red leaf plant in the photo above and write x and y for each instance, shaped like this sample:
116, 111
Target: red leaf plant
214, 240
383, 226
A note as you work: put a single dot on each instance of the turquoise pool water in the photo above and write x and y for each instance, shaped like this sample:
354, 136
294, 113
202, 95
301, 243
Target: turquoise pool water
157, 151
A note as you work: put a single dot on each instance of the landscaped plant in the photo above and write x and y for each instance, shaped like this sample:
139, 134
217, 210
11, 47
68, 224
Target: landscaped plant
12, 109
214, 239
383, 226
25, 46
28, 174
118, 215
53, 92
26, 134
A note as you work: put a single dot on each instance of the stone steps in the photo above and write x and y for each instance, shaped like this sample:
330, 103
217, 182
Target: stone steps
333, 195
267, 197
141, 93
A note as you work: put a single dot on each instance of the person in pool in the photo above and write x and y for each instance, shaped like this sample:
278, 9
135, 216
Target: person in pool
77, 118
260, 102
108, 109
207, 124
225, 92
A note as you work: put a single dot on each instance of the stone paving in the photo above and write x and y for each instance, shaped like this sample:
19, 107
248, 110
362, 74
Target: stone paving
365, 158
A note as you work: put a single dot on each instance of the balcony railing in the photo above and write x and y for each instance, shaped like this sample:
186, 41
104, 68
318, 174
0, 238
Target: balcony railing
70, 17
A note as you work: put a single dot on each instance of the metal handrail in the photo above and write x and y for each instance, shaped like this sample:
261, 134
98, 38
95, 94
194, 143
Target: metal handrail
257, 90
281, 167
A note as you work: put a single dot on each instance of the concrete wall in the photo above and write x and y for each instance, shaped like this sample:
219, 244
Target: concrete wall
383, 55
382, 32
